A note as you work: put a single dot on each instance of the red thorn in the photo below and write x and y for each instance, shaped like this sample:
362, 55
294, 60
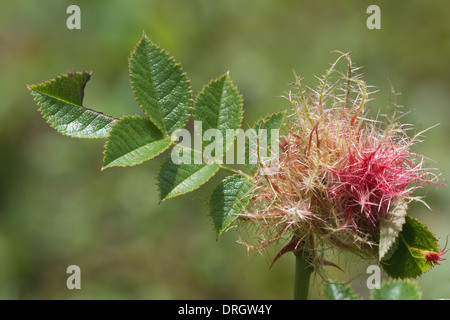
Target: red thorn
291, 246
331, 264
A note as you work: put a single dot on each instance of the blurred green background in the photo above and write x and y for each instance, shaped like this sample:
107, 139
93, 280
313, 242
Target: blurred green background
58, 209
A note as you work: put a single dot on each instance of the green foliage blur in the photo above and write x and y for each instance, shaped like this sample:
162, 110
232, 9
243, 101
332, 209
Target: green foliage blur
58, 209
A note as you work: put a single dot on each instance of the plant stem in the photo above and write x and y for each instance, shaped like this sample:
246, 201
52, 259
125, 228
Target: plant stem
303, 270
234, 171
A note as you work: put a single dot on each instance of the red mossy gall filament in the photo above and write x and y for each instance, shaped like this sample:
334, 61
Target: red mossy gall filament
341, 172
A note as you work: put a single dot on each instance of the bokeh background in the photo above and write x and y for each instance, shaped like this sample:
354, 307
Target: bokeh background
58, 209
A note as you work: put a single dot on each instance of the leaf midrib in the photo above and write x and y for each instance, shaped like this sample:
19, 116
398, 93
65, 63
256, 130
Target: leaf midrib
73, 104
139, 148
410, 252
176, 187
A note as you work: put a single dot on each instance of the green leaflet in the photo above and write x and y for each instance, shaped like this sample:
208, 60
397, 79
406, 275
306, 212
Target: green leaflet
397, 290
60, 102
269, 123
389, 290
219, 106
160, 86
228, 200
177, 179
408, 259
336, 291
390, 228
132, 141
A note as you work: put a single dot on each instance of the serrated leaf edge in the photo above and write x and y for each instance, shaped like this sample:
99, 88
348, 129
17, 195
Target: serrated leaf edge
46, 82
237, 201
391, 247
140, 162
408, 281
176, 64
180, 193
241, 97
264, 120
400, 238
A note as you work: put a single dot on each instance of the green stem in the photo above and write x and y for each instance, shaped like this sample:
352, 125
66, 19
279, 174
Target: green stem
234, 171
303, 270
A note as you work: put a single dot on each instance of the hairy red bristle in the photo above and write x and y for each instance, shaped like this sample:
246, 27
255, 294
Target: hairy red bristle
339, 171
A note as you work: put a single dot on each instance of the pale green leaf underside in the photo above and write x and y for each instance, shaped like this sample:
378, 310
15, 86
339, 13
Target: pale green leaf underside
228, 200
177, 179
336, 291
60, 103
160, 86
219, 106
390, 227
407, 261
271, 122
397, 290
133, 140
